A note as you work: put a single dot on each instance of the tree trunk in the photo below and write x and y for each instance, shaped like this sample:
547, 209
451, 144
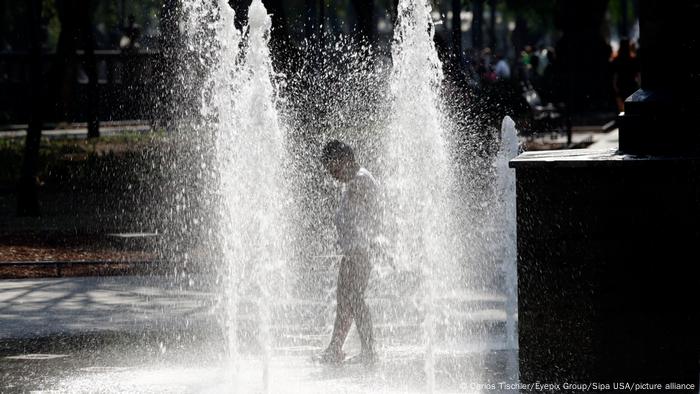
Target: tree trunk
492, 25
583, 55
310, 23
364, 9
457, 30
285, 54
393, 11
623, 27
66, 60
167, 65
90, 65
520, 35
477, 24
27, 193
333, 22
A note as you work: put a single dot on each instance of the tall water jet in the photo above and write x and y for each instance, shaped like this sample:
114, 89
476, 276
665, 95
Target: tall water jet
505, 189
418, 174
225, 81
249, 161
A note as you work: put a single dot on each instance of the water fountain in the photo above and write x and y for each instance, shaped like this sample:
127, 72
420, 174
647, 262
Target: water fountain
426, 294
266, 313
505, 188
250, 154
417, 171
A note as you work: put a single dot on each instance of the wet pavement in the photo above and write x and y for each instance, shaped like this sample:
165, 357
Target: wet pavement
153, 335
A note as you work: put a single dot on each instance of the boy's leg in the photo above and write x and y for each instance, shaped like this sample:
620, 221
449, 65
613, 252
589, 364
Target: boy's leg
363, 318
343, 313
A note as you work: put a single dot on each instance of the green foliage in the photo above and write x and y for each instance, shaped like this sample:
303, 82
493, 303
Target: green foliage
13, 22
53, 26
105, 164
107, 13
145, 12
539, 14
615, 9
10, 159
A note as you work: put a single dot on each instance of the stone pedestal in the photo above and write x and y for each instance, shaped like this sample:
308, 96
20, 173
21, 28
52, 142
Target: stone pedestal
608, 250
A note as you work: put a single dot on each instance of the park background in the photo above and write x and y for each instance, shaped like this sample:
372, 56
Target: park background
87, 103
101, 174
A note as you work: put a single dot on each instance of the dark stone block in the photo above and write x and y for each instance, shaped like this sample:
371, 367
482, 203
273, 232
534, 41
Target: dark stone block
607, 262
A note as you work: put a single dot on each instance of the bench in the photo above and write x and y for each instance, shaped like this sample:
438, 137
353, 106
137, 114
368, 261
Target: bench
543, 118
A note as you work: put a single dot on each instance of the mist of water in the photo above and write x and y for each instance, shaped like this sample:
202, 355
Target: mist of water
240, 105
270, 221
418, 173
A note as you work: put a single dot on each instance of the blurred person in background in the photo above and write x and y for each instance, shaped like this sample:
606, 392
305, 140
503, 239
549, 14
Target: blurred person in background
625, 70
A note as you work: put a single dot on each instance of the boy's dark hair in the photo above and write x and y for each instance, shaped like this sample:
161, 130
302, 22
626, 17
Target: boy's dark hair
334, 150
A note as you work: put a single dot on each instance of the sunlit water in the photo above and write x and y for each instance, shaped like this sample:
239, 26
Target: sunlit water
251, 190
270, 313
418, 177
294, 376
505, 188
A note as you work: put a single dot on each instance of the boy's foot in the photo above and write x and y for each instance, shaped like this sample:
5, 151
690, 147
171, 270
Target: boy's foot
330, 357
365, 358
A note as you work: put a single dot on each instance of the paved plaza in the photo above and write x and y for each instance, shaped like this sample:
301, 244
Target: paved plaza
152, 334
